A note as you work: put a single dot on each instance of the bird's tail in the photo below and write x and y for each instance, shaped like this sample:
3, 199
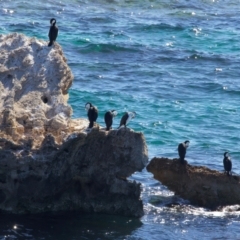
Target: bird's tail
181, 160
91, 124
50, 43
121, 126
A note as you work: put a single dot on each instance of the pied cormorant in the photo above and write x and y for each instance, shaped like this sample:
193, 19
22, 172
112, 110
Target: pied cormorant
53, 32
182, 149
92, 113
126, 118
108, 118
227, 163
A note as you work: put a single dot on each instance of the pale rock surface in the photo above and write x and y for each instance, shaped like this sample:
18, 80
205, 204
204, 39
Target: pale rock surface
34, 83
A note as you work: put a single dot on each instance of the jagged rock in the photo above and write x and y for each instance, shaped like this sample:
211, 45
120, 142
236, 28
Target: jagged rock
87, 173
48, 162
34, 83
200, 185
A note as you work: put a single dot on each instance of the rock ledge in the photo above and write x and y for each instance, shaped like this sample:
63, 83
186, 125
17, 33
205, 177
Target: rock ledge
200, 185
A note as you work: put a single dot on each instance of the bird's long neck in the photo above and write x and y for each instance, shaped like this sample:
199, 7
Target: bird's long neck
53, 22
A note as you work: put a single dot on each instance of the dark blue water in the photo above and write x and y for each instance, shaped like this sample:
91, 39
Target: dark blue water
176, 63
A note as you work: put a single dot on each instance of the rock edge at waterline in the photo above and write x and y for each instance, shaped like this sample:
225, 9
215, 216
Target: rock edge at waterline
200, 185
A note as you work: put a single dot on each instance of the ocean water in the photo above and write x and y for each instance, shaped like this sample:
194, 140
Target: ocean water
174, 62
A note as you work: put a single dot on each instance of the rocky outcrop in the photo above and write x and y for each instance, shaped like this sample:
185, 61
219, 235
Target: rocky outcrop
48, 162
200, 185
87, 173
34, 83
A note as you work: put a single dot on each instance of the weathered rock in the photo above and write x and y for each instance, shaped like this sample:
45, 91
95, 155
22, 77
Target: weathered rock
34, 83
48, 163
87, 173
200, 185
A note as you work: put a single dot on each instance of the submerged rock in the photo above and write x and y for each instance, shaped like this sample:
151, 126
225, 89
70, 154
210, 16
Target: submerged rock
48, 163
200, 185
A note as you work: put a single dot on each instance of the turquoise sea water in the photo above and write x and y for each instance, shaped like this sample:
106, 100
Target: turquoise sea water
176, 63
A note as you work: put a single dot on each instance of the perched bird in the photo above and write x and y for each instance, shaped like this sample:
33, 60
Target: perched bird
126, 118
92, 113
108, 118
53, 32
227, 163
182, 149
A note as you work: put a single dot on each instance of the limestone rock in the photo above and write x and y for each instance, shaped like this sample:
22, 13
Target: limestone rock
200, 185
48, 162
34, 83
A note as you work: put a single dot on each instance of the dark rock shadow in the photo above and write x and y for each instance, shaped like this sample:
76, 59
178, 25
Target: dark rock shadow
70, 226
